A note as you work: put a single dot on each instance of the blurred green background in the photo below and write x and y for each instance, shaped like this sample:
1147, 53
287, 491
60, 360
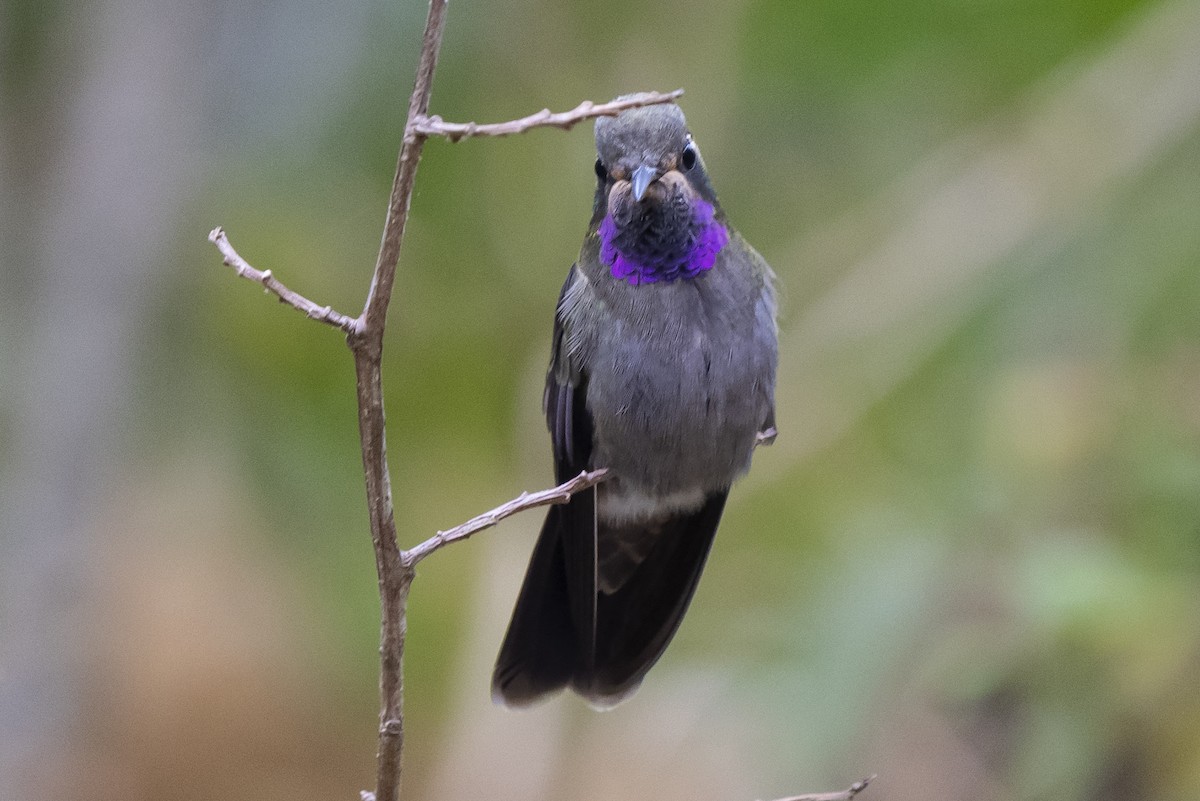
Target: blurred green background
971, 564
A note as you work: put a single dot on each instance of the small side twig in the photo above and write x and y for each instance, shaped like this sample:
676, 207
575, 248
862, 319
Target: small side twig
455, 131
272, 284
841, 795
525, 501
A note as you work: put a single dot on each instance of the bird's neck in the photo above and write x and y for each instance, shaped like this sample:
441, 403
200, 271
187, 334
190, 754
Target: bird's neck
664, 244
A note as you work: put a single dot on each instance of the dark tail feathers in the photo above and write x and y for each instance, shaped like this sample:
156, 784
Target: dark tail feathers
549, 644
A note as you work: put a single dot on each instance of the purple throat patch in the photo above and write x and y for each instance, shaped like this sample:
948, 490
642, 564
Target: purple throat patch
696, 254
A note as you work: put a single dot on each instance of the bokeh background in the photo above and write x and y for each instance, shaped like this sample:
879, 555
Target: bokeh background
971, 564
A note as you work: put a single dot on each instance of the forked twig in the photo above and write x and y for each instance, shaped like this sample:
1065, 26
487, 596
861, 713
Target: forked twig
365, 338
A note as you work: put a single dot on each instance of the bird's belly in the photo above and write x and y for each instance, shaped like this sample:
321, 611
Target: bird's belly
674, 419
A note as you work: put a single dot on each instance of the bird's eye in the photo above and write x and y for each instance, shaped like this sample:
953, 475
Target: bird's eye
688, 159
601, 170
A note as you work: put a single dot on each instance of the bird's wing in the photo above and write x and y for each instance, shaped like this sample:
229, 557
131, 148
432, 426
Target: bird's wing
766, 332
553, 623
564, 401
570, 426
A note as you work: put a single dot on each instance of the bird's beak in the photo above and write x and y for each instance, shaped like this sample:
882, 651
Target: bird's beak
643, 176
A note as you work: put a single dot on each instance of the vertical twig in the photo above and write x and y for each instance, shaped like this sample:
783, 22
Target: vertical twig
366, 341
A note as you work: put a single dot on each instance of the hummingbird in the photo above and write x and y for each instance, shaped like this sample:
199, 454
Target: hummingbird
662, 370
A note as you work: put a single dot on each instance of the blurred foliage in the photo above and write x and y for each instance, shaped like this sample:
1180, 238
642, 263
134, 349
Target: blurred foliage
987, 586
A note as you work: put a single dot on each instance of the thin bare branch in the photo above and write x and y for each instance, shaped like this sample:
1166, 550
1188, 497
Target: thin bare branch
454, 131
525, 501
270, 283
841, 795
395, 577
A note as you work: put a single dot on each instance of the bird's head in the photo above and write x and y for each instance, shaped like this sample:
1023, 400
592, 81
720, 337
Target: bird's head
658, 216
